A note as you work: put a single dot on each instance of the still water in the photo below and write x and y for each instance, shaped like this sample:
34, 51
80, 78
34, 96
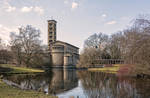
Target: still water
82, 84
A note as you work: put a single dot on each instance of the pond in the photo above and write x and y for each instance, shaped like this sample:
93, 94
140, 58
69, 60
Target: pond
81, 84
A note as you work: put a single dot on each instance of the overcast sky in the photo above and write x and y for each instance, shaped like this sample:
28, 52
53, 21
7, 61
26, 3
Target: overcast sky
77, 19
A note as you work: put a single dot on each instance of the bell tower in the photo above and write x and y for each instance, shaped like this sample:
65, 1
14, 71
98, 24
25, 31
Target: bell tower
51, 32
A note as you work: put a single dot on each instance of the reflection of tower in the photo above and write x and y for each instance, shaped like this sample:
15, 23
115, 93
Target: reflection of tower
63, 80
51, 32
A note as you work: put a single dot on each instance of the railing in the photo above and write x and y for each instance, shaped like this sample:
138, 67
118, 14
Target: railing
108, 61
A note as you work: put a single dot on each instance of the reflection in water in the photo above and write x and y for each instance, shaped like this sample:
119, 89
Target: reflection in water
39, 82
63, 80
55, 82
89, 85
101, 85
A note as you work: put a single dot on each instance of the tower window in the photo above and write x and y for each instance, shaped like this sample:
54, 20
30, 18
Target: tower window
50, 41
50, 36
50, 28
50, 24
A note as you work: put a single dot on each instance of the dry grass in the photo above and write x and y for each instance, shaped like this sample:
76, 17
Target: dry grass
12, 92
113, 69
19, 69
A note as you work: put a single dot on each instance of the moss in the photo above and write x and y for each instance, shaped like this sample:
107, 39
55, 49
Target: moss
19, 69
12, 92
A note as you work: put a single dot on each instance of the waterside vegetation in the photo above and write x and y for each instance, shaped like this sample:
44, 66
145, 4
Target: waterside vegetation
7, 91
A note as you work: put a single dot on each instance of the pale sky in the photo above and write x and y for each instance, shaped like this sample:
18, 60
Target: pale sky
77, 19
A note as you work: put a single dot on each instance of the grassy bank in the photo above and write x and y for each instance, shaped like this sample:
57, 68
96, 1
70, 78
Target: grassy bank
7, 91
113, 69
13, 69
12, 92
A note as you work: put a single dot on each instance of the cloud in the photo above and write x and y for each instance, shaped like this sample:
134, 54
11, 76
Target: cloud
39, 10
7, 7
35, 9
1, 25
111, 22
26, 9
10, 9
103, 15
74, 5
66, 1
125, 18
5, 32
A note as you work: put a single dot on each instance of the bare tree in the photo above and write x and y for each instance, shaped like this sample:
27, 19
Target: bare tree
96, 41
95, 47
88, 56
5, 56
26, 44
139, 48
115, 46
1, 46
134, 44
16, 48
0, 40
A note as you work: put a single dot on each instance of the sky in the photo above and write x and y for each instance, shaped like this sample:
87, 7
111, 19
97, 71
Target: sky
76, 19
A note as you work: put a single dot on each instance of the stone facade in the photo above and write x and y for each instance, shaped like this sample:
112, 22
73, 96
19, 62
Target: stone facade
62, 53
51, 32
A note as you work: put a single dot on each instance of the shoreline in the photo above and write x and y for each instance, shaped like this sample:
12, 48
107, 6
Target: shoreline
7, 91
12, 69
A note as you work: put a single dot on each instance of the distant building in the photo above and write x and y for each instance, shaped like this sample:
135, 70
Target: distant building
62, 53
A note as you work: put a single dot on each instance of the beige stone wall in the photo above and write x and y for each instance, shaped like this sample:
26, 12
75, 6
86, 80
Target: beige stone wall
70, 49
71, 60
64, 54
66, 61
57, 55
57, 59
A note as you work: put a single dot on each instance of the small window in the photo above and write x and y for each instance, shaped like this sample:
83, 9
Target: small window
50, 24
50, 28
50, 41
50, 36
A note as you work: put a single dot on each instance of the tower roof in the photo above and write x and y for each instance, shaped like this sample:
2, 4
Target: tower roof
52, 21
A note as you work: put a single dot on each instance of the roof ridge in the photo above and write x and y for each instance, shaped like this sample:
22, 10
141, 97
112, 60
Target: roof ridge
66, 43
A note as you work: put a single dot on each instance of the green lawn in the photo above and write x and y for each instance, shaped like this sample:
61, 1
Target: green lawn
113, 69
15, 69
12, 92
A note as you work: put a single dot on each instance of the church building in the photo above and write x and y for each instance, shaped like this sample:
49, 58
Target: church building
62, 53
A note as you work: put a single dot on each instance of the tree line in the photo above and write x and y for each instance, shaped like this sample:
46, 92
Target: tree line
25, 49
132, 45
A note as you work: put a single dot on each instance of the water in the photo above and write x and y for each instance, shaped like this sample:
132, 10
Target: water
82, 84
